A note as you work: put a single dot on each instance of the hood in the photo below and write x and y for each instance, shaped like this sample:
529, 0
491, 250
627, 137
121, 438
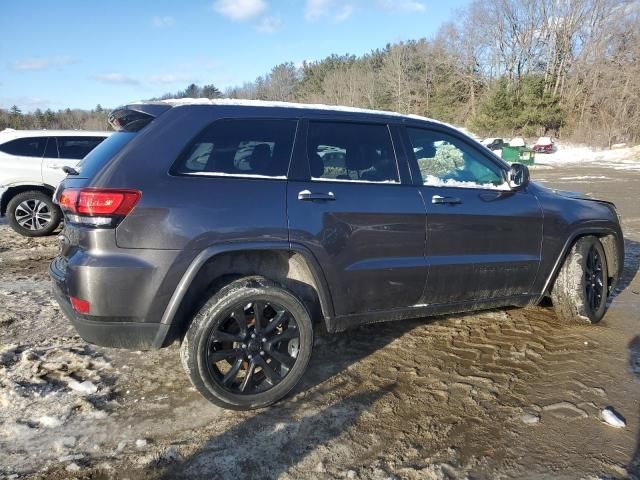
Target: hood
570, 194
581, 196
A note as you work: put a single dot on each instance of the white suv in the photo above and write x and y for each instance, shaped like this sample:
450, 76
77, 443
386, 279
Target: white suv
31, 167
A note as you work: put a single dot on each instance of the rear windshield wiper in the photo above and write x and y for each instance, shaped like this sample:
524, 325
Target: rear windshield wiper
70, 170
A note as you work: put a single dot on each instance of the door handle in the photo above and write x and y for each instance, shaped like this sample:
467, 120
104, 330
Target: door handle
449, 200
306, 195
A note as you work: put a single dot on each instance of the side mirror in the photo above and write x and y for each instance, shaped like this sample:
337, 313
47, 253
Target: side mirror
518, 176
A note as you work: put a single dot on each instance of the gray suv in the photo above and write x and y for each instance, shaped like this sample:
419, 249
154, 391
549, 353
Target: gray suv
239, 229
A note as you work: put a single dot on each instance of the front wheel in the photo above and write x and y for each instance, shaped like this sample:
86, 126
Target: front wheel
33, 214
581, 288
249, 345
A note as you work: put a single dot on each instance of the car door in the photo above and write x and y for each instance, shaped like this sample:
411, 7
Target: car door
65, 151
362, 220
22, 159
483, 239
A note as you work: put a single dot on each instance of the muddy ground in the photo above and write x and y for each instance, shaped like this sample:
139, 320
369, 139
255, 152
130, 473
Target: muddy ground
427, 399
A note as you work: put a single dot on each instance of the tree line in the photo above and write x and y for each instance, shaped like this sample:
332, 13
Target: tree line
67, 119
569, 69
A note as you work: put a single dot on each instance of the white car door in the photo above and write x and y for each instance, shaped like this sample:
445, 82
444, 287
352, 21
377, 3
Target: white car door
21, 160
65, 151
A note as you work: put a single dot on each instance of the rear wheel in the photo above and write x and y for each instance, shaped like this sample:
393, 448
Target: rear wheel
581, 288
249, 345
33, 214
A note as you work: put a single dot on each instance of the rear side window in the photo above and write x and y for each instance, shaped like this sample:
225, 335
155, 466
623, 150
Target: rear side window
351, 152
104, 152
25, 147
259, 147
76, 148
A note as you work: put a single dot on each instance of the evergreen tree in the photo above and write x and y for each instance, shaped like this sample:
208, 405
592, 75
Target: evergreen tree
210, 91
192, 91
49, 118
38, 119
15, 117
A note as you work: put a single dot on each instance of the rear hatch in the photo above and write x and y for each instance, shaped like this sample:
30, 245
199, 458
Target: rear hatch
127, 121
91, 214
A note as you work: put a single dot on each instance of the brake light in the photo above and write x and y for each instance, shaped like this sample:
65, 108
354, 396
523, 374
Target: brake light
98, 206
107, 202
80, 306
68, 199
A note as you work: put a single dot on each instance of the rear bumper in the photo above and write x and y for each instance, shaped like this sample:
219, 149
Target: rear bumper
104, 331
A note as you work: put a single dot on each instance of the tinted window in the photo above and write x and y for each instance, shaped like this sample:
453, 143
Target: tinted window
240, 147
52, 148
77, 148
26, 147
445, 159
104, 152
351, 151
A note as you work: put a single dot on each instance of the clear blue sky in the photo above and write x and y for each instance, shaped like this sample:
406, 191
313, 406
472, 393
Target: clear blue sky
76, 53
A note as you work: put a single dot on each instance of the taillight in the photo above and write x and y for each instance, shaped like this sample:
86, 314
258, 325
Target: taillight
98, 207
79, 305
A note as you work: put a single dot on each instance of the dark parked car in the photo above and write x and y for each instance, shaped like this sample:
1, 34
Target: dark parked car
240, 230
494, 143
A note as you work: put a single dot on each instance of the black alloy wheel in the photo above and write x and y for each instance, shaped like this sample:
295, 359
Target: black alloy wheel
253, 348
594, 279
249, 344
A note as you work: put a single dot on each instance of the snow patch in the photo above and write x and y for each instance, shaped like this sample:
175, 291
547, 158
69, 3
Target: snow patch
613, 418
619, 159
85, 387
434, 181
39, 388
178, 102
530, 418
49, 421
587, 177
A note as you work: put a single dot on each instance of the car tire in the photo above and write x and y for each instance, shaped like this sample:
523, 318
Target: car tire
230, 367
33, 214
579, 294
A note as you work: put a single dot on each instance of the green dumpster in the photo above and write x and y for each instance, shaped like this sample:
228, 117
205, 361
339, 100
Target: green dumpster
518, 154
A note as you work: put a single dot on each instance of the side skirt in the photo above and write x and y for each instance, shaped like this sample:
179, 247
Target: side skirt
339, 324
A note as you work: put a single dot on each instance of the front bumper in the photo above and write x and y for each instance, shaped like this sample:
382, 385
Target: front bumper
102, 330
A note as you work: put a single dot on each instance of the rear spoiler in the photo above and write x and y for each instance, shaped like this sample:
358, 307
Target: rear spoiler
133, 118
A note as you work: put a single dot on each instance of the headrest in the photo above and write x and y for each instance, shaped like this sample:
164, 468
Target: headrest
428, 150
260, 158
316, 165
359, 157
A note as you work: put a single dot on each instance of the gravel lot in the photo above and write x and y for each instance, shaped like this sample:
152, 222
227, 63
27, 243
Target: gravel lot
506, 393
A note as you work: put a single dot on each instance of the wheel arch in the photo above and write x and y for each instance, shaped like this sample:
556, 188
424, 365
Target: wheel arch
612, 243
16, 189
290, 265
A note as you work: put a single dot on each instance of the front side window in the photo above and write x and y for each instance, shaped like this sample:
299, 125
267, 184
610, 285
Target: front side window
446, 161
76, 148
351, 152
25, 147
245, 147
